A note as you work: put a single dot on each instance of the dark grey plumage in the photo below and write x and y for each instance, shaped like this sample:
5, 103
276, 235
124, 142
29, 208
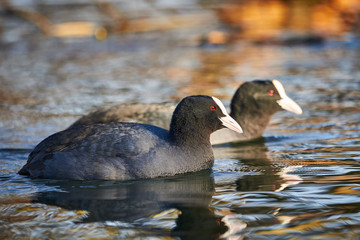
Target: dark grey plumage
252, 106
124, 151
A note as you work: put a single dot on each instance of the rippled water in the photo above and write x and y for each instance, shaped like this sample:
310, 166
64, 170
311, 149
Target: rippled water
302, 180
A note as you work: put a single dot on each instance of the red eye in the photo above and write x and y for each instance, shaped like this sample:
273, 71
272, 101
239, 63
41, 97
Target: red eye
212, 108
271, 92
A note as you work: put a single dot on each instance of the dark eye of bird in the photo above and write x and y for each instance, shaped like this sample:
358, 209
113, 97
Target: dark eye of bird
271, 92
212, 108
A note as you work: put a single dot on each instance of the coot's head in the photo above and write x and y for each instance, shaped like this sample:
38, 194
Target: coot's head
201, 114
266, 96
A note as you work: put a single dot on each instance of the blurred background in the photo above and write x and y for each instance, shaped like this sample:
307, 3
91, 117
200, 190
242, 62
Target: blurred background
221, 21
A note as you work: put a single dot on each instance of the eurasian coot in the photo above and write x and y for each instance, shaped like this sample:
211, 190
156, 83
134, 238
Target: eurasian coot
125, 151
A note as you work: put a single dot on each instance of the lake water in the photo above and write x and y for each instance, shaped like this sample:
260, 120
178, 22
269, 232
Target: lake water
301, 181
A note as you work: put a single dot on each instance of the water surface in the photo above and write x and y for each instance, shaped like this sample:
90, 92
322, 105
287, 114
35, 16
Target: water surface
301, 181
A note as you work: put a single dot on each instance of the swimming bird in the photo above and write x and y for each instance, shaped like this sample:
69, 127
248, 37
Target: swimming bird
252, 106
126, 151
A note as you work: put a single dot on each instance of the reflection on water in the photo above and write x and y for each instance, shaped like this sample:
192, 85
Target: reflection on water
301, 180
171, 206
106, 201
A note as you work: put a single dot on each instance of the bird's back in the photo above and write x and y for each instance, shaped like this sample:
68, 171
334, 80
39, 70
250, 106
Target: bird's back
98, 151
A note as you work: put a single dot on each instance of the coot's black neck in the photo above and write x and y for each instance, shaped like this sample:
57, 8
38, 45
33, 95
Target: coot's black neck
193, 143
187, 133
252, 118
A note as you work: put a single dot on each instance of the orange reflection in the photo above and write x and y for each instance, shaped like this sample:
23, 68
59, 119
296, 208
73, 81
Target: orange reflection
256, 19
266, 20
326, 20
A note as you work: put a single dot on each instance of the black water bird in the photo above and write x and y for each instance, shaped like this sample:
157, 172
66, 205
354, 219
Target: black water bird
125, 151
252, 106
